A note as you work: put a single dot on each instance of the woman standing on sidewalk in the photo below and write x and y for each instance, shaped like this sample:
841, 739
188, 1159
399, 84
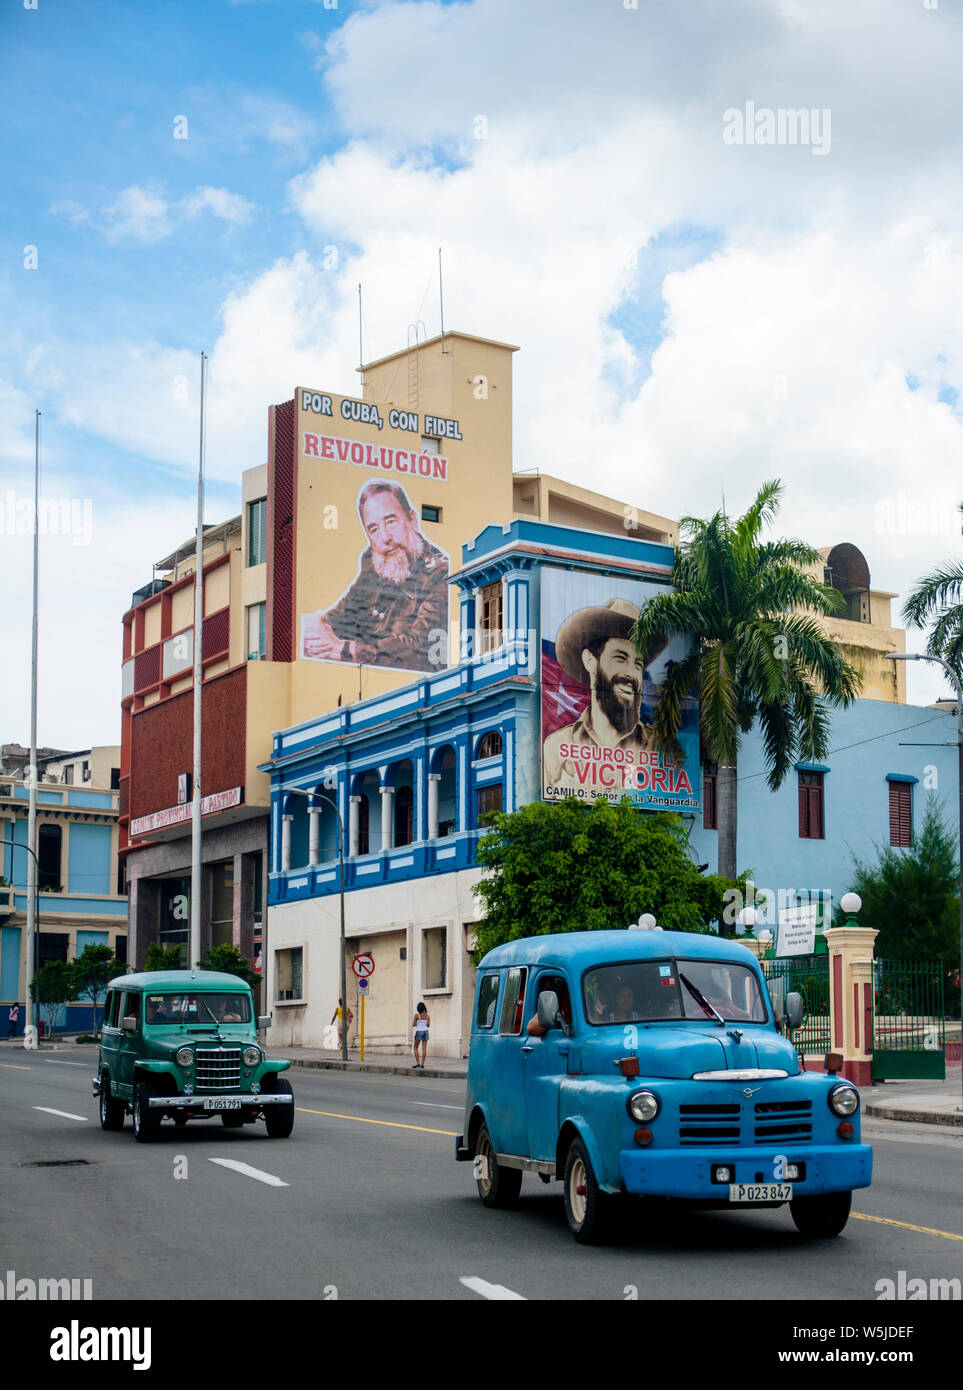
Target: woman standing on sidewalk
421, 1022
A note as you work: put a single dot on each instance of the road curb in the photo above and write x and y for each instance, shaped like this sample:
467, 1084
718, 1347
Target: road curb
333, 1065
919, 1117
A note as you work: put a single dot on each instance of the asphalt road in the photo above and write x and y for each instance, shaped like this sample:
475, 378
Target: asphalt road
365, 1201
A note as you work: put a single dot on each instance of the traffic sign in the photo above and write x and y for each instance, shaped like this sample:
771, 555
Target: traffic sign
363, 986
363, 966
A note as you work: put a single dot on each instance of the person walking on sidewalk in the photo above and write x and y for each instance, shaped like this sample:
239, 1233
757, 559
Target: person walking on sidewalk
14, 1018
421, 1022
338, 1016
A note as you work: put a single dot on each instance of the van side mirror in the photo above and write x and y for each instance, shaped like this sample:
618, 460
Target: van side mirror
129, 1024
547, 1010
794, 1009
264, 1022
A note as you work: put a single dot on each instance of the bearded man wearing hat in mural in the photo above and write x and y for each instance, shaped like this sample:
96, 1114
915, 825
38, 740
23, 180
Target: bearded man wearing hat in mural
594, 647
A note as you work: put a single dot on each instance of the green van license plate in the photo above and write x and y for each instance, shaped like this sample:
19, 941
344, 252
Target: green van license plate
760, 1192
222, 1103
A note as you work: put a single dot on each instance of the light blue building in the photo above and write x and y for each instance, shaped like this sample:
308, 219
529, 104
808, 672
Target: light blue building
542, 704
78, 903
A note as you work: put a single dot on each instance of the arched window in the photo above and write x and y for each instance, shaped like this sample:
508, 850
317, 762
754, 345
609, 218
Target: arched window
489, 745
364, 825
404, 816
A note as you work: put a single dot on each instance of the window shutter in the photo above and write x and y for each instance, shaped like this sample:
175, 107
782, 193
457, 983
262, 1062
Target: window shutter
900, 814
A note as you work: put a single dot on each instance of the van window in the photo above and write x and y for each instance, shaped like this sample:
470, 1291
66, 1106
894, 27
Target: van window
513, 1005
487, 999
131, 1006
110, 1008
558, 985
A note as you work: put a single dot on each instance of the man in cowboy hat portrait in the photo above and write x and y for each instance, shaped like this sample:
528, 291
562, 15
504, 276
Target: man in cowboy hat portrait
595, 648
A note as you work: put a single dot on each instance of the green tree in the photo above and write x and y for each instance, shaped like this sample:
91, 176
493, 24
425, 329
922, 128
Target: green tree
55, 989
911, 897
165, 957
938, 599
759, 653
567, 867
231, 962
92, 971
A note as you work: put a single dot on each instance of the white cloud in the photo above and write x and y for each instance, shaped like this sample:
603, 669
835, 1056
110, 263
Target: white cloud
74, 212
231, 207
139, 212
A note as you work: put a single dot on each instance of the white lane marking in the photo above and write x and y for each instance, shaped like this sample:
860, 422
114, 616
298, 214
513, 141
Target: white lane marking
65, 1114
249, 1172
490, 1291
53, 1062
437, 1105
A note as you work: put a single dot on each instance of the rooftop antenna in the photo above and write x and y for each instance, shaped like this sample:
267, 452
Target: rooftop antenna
360, 338
441, 302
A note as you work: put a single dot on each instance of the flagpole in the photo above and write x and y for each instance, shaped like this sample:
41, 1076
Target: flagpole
194, 944
31, 1011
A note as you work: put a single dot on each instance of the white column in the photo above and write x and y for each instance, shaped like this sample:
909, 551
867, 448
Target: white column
433, 779
354, 825
387, 818
286, 842
314, 825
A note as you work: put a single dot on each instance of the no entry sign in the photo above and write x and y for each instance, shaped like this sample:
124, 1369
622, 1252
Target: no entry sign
363, 966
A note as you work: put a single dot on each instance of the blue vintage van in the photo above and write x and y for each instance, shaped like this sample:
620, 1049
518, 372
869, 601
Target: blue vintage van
650, 1063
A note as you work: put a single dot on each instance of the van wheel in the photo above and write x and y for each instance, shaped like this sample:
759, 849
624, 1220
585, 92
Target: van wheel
111, 1111
823, 1216
587, 1207
497, 1185
279, 1119
146, 1121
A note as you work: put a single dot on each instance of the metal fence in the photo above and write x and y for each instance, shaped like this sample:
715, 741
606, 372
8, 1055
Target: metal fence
809, 977
910, 1033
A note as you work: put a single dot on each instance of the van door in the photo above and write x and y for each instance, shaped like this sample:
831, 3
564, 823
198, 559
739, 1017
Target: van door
110, 1034
546, 1062
506, 1084
128, 1044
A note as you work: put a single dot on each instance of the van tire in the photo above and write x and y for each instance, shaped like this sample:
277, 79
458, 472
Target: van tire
146, 1121
822, 1216
112, 1111
587, 1207
500, 1186
279, 1119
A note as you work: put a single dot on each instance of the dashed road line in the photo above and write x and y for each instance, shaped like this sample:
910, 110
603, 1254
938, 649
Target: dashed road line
490, 1291
437, 1105
65, 1114
56, 1062
905, 1225
248, 1172
13, 1066
363, 1120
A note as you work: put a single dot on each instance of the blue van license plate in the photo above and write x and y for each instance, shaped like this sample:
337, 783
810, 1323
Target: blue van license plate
760, 1192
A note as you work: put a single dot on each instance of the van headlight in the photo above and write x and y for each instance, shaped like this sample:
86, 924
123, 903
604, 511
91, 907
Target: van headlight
251, 1056
643, 1106
184, 1057
843, 1100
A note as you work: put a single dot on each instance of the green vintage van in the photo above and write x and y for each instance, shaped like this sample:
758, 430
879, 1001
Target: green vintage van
184, 1044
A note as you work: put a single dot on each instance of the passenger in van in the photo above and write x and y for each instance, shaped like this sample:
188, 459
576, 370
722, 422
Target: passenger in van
556, 986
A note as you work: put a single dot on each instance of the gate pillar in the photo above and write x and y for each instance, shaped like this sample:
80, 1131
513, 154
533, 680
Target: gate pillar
851, 1004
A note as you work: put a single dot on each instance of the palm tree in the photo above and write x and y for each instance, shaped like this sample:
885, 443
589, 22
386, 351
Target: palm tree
939, 595
757, 651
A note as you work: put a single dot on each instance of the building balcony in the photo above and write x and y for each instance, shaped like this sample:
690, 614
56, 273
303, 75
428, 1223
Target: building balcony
444, 855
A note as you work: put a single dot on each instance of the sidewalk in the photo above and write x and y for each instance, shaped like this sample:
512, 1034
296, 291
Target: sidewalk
394, 1064
920, 1102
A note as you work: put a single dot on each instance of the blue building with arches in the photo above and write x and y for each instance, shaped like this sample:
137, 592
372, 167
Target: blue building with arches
408, 777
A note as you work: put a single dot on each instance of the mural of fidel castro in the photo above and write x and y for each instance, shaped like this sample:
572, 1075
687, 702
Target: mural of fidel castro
393, 611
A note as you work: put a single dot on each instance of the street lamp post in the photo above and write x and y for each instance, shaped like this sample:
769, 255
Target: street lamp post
29, 1026
955, 682
320, 796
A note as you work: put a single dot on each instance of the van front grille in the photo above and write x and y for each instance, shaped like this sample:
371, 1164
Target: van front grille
704, 1125
219, 1069
784, 1119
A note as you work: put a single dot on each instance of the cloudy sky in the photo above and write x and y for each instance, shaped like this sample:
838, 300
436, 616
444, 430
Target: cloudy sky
701, 302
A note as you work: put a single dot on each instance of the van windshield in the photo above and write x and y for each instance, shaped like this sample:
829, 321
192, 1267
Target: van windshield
647, 991
181, 1009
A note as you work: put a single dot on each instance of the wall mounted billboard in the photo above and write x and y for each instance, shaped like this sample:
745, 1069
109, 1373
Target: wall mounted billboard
599, 697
